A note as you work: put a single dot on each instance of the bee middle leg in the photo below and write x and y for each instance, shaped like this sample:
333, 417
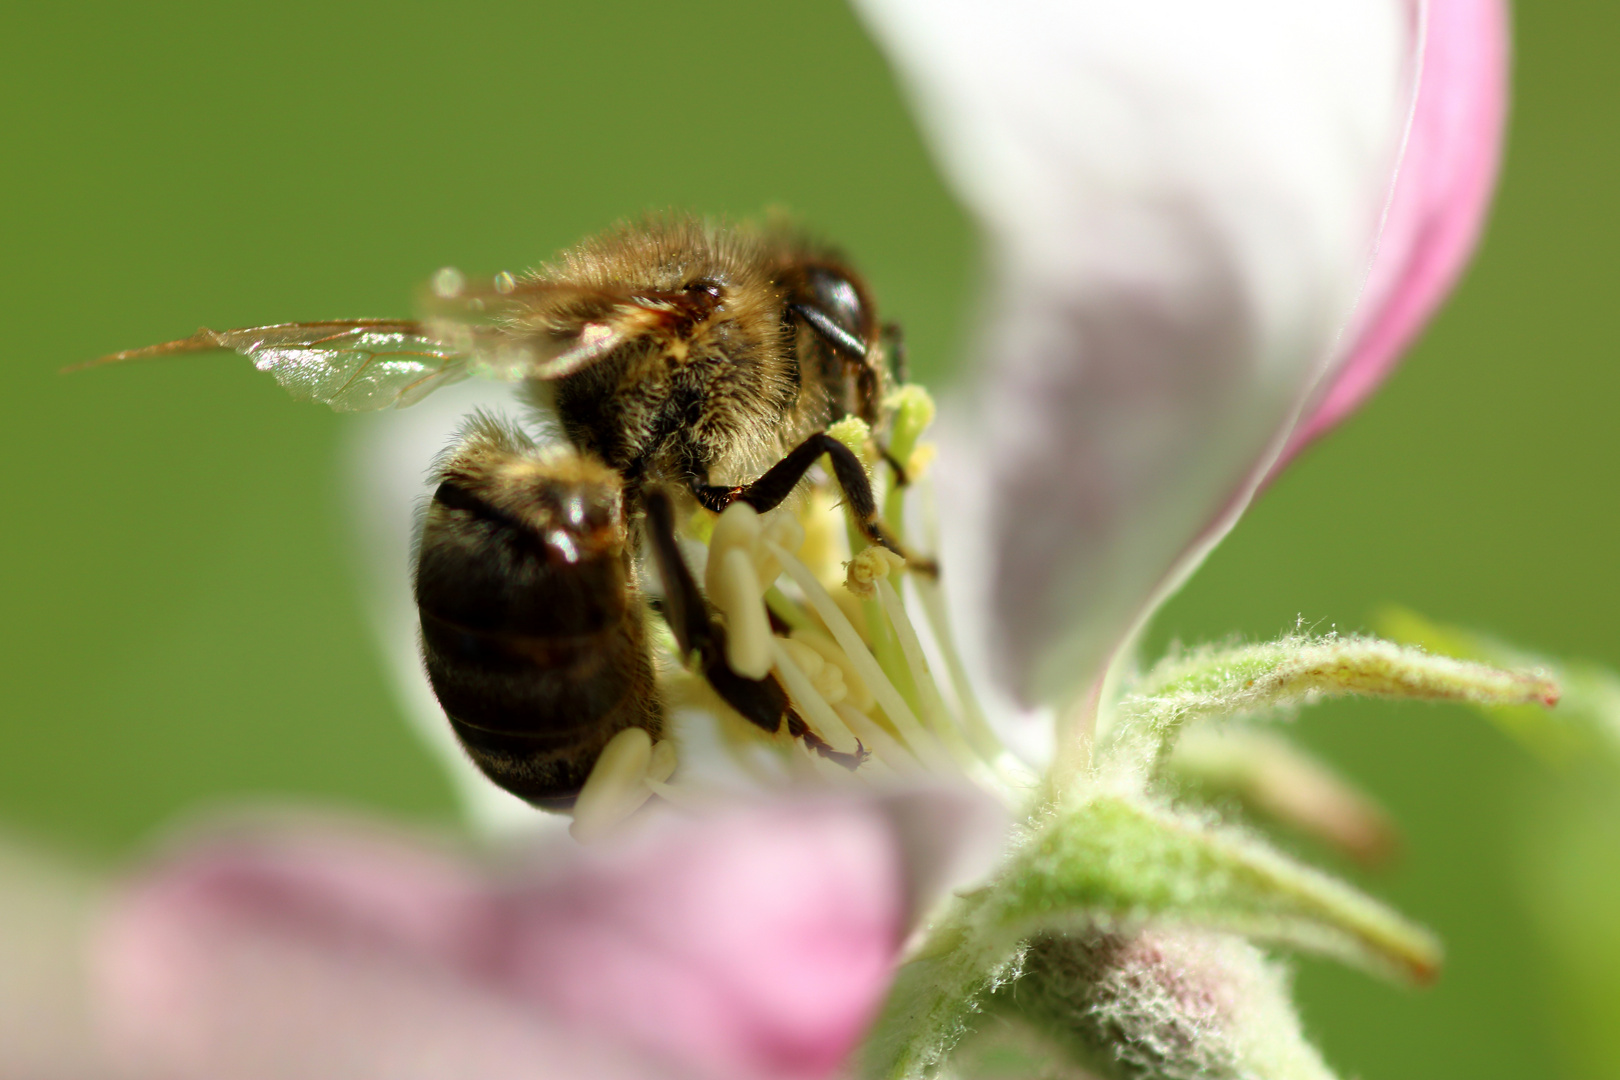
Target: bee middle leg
780, 479
763, 702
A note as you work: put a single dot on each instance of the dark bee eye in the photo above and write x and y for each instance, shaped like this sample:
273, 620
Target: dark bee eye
836, 296
704, 285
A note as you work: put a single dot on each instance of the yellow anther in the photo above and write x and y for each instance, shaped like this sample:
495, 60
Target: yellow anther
700, 526
615, 788
853, 433
859, 696
808, 660
920, 459
865, 569
734, 588
822, 548
737, 527
912, 410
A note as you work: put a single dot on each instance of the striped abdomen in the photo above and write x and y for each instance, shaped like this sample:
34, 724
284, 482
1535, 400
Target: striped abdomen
533, 630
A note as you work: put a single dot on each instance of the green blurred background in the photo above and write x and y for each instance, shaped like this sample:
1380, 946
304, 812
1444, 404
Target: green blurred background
182, 624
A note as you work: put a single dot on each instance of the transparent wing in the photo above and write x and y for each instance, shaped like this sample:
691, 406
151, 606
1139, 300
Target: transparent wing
353, 365
534, 329
537, 328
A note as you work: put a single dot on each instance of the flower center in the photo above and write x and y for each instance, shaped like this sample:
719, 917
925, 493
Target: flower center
805, 598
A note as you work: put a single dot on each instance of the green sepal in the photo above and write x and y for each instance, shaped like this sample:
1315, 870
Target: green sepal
1158, 1005
1272, 780
1252, 679
1115, 863
1112, 864
1588, 711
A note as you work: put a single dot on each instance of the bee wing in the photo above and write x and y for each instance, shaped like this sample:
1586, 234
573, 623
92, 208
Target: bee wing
595, 340
511, 330
535, 328
353, 365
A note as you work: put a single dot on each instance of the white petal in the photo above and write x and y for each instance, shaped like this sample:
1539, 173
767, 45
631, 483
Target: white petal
1180, 199
951, 837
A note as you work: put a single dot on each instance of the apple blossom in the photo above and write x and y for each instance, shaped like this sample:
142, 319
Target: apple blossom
1211, 228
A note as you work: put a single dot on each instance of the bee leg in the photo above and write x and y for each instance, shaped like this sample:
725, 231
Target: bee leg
894, 342
762, 702
800, 730
868, 376
683, 607
780, 479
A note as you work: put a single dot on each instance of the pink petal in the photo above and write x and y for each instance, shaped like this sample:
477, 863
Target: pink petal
1438, 204
764, 941
755, 943
313, 951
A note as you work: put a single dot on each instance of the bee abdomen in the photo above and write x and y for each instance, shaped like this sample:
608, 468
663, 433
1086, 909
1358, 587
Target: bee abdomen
534, 713
543, 688
533, 630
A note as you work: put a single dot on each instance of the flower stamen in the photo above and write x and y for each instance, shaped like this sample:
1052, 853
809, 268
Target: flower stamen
974, 725
618, 783
736, 591
866, 701
872, 565
937, 719
856, 693
866, 666
804, 694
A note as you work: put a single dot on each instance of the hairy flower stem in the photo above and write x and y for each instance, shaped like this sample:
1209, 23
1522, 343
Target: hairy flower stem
936, 992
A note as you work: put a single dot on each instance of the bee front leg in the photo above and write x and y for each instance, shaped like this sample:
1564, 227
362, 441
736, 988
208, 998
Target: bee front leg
762, 702
780, 479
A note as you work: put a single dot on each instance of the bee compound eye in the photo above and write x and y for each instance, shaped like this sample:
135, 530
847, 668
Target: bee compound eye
837, 296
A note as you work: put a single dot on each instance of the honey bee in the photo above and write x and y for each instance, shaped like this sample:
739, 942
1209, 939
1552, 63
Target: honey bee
684, 364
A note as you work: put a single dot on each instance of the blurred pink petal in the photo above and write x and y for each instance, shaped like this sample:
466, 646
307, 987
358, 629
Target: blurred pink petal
1437, 209
313, 952
762, 942
754, 943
